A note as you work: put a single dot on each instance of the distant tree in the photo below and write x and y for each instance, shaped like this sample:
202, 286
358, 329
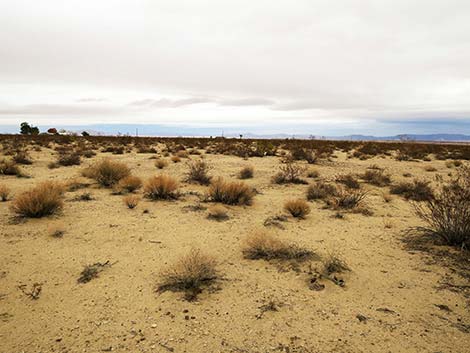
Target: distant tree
26, 129
84, 133
52, 131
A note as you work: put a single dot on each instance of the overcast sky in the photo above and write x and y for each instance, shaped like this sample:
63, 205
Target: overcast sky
359, 66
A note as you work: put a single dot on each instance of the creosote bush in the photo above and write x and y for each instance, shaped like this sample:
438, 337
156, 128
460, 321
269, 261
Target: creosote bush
418, 190
290, 172
107, 172
43, 200
198, 172
263, 245
161, 187
189, 275
130, 183
447, 214
246, 172
297, 208
230, 193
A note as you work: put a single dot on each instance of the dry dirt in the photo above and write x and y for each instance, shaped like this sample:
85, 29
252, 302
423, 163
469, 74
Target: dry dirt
393, 301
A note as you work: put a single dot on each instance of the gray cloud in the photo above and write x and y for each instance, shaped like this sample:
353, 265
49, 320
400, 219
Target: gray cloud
168, 103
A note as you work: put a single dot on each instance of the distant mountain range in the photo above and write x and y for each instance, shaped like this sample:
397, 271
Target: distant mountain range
189, 131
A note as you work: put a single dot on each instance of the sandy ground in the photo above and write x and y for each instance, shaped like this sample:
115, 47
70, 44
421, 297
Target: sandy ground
395, 289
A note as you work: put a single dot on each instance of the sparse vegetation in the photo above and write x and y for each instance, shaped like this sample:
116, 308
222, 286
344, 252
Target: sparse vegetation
230, 193
218, 213
43, 200
131, 201
4, 193
377, 177
321, 191
161, 187
9, 167
107, 172
349, 180
297, 208
189, 275
290, 172
418, 190
246, 172
198, 172
161, 163
129, 183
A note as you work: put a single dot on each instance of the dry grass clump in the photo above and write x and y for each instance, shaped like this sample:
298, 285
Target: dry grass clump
321, 191
447, 214
263, 245
22, 157
430, 168
4, 193
189, 275
161, 163
107, 172
418, 190
43, 200
297, 208
131, 201
161, 187
377, 177
56, 230
313, 173
9, 167
130, 183
332, 263
175, 159
349, 180
246, 172
217, 212
348, 199
230, 193
290, 172
68, 159
198, 172
92, 271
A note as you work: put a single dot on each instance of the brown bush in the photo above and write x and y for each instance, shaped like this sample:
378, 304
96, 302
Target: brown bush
297, 208
189, 275
22, 157
376, 177
4, 193
246, 172
290, 172
198, 172
349, 180
9, 167
263, 245
43, 200
161, 163
107, 172
418, 190
69, 159
130, 183
161, 187
332, 263
230, 193
321, 191
348, 199
175, 159
447, 213
131, 201
313, 173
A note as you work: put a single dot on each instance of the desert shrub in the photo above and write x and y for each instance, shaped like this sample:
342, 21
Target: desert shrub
161, 187
131, 201
217, 212
4, 193
263, 245
332, 263
9, 167
376, 177
189, 275
418, 190
161, 163
321, 190
182, 154
230, 193
348, 199
175, 159
22, 157
349, 180
129, 183
313, 173
447, 214
90, 272
56, 230
246, 172
297, 208
88, 153
430, 168
43, 200
198, 172
69, 159
290, 172
107, 172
